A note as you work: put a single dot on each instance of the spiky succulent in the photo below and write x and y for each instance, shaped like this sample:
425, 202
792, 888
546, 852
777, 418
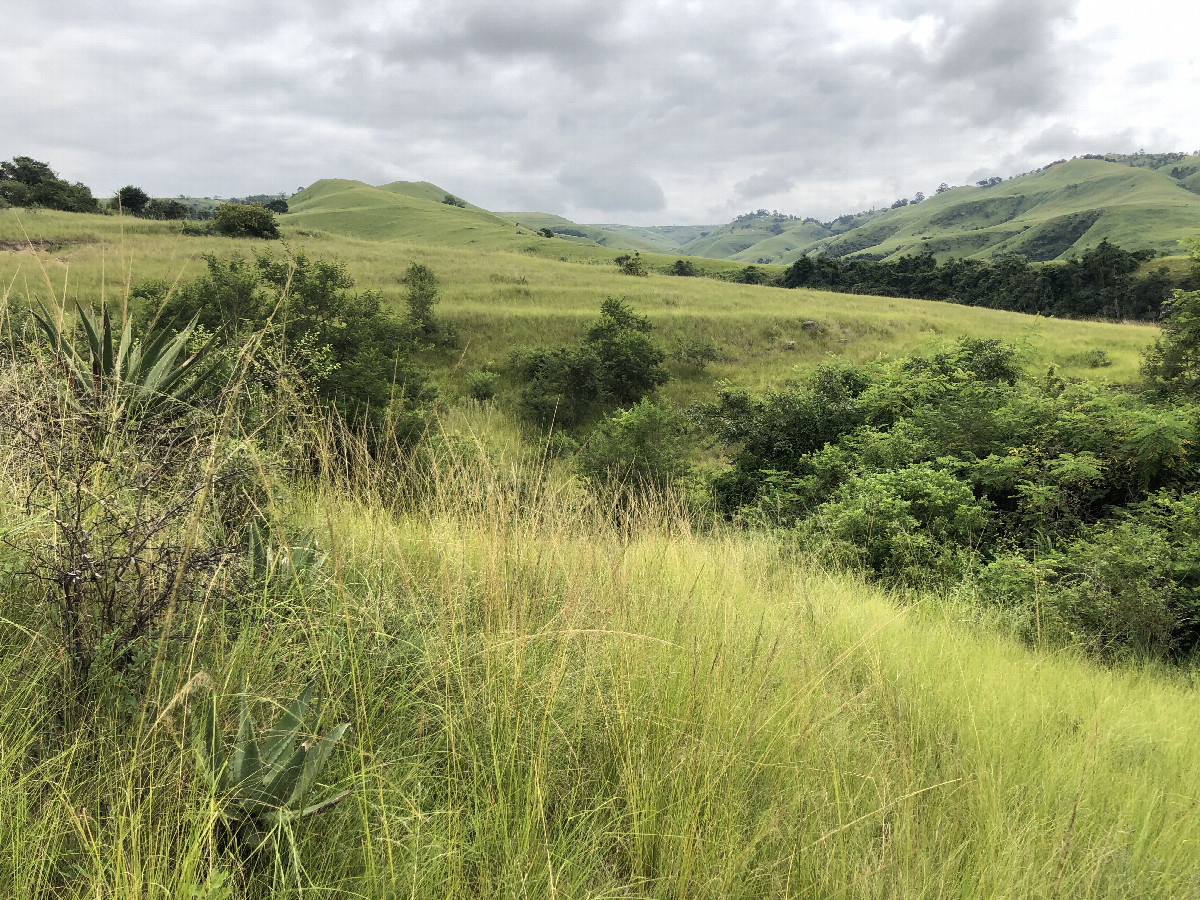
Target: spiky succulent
264, 786
137, 373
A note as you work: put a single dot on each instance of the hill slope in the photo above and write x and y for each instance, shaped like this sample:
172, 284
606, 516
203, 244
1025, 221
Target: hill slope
403, 210
1133, 201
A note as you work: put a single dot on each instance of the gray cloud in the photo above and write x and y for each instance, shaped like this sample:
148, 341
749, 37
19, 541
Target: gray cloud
674, 111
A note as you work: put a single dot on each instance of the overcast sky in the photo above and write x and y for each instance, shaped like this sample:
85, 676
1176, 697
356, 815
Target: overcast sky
636, 111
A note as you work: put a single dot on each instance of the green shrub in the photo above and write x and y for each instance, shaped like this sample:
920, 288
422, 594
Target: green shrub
245, 220
916, 525
481, 385
631, 265
642, 448
615, 364
684, 268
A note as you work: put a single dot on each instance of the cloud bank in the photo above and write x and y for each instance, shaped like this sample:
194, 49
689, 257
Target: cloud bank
677, 111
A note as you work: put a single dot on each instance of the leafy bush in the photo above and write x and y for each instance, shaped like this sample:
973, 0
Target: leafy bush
1096, 358
642, 448
684, 268
695, 353
1172, 365
421, 298
245, 220
305, 319
27, 182
481, 384
631, 265
916, 525
615, 364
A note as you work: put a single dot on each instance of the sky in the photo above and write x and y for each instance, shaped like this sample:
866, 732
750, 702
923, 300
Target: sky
645, 112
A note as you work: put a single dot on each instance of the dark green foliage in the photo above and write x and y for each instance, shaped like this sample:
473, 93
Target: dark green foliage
631, 265
245, 220
642, 449
1173, 363
165, 210
752, 275
921, 470
546, 232
1102, 282
481, 385
264, 786
132, 200
308, 320
277, 205
28, 182
683, 267
451, 200
421, 298
616, 364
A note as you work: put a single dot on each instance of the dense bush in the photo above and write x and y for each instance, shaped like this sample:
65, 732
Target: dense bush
245, 220
616, 364
922, 470
28, 182
642, 449
1101, 282
305, 318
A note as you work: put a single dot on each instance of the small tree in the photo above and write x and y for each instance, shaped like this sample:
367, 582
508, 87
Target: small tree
165, 209
278, 205
132, 200
683, 267
1172, 364
246, 220
631, 265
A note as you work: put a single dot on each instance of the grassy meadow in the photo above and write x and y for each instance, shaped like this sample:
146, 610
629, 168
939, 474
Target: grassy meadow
550, 700
538, 291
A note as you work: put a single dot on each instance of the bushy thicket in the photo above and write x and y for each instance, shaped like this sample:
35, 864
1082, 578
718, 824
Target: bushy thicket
1103, 282
306, 319
615, 365
27, 182
956, 468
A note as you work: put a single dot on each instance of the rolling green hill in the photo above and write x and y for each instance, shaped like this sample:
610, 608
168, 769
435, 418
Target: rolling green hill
1137, 201
403, 210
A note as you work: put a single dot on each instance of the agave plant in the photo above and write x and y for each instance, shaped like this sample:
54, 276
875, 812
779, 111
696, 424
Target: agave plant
265, 785
137, 373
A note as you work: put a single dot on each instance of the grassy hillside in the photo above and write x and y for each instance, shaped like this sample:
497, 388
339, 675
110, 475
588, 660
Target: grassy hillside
545, 699
503, 298
1134, 202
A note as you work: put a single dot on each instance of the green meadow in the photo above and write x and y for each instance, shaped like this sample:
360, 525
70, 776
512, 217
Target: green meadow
547, 698
524, 290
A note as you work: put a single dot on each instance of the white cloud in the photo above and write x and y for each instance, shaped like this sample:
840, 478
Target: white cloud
669, 111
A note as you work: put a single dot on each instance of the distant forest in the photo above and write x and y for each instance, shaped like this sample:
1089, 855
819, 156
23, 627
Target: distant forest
1102, 283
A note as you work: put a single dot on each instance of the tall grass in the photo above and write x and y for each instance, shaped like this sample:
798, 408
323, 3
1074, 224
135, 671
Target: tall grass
550, 701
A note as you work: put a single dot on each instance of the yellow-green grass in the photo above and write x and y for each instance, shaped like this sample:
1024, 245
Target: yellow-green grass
503, 301
546, 704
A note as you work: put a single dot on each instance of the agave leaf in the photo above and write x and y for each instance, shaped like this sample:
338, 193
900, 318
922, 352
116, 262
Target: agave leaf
106, 346
188, 366
324, 804
257, 551
208, 744
246, 764
283, 735
280, 783
318, 755
153, 346
165, 365
123, 349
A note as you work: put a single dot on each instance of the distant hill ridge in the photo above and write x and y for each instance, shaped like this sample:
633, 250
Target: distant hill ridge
1136, 201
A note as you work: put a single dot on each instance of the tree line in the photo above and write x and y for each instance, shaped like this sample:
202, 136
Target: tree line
1102, 283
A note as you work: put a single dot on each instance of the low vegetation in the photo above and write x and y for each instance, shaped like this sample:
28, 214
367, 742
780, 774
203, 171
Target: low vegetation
278, 618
